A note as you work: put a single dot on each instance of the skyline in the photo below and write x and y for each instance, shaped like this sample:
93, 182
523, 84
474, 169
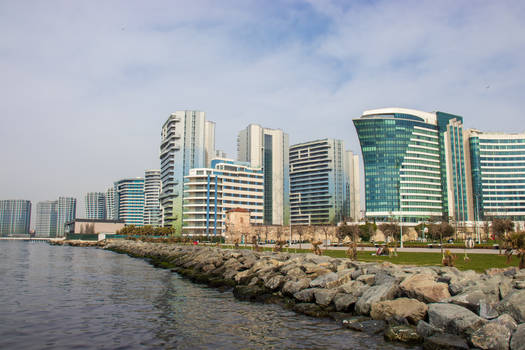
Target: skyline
88, 86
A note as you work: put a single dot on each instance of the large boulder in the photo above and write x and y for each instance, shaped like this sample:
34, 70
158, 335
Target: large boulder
324, 297
375, 294
321, 281
507, 321
424, 288
344, 302
475, 300
514, 305
518, 338
274, 282
411, 309
306, 295
493, 336
454, 319
310, 309
292, 287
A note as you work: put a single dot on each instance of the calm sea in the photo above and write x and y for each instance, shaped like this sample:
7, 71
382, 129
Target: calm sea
54, 297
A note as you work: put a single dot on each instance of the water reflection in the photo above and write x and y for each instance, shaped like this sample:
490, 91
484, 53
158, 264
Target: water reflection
64, 298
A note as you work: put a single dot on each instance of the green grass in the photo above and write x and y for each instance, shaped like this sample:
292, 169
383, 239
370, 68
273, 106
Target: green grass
478, 262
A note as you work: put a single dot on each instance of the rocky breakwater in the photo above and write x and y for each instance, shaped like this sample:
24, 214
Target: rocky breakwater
441, 307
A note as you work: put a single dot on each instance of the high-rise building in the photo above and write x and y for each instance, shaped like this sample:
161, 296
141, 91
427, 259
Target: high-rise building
152, 187
66, 212
210, 192
414, 164
95, 203
497, 168
129, 199
111, 207
15, 217
46, 219
268, 149
354, 185
321, 182
187, 142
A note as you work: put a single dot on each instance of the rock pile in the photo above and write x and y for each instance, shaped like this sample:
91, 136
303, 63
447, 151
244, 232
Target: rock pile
441, 307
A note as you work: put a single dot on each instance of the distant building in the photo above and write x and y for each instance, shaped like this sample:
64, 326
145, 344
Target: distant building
268, 149
187, 142
497, 165
129, 199
210, 192
46, 219
95, 204
111, 207
67, 211
152, 188
323, 178
220, 154
414, 165
15, 217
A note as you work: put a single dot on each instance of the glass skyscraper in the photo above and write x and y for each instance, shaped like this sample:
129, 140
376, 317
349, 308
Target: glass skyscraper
268, 149
497, 165
321, 189
187, 142
95, 203
46, 219
414, 164
129, 199
66, 212
152, 186
15, 217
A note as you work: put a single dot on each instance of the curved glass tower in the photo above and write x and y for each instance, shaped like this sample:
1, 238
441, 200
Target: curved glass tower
414, 164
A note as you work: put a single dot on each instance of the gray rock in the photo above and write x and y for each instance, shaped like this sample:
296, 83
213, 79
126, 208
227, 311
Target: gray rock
344, 301
517, 341
374, 294
367, 279
445, 342
324, 297
507, 321
275, 282
367, 326
292, 287
505, 288
514, 305
492, 336
310, 309
474, 299
423, 288
321, 281
357, 273
305, 295
425, 329
353, 287
454, 319
244, 277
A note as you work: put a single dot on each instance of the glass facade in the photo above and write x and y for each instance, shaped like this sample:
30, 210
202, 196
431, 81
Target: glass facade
412, 161
130, 201
498, 174
15, 217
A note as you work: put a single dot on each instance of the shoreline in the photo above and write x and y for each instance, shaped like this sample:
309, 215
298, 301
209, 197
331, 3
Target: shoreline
438, 307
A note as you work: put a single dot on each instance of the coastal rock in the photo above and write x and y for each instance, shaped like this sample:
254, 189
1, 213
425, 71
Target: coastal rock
473, 299
310, 309
493, 336
244, 277
507, 321
454, 319
305, 295
292, 287
425, 329
353, 287
251, 293
404, 334
424, 288
321, 281
411, 309
324, 297
274, 282
374, 294
366, 279
514, 305
344, 301
445, 342
517, 341
366, 326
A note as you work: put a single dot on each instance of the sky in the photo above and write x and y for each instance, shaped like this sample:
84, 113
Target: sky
86, 85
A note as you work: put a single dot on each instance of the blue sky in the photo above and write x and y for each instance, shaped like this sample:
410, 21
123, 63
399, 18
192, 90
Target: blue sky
87, 85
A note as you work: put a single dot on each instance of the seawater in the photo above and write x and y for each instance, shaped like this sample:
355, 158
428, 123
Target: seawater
61, 297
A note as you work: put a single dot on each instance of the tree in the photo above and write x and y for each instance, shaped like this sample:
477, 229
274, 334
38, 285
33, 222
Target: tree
438, 231
341, 232
486, 229
326, 229
353, 232
500, 228
391, 230
299, 229
367, 230
517, 242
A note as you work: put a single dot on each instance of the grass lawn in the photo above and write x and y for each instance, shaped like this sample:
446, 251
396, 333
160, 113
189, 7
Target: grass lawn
478, 262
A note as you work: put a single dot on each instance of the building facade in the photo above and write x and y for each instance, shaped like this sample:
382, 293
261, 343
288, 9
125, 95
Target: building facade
354, 185
111, 207
414, 165
95, 205
268, 149
497, 167
152, 188
187, 142
15, 217
129, 200
321, 183
66, 212
46, 219
210, 192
